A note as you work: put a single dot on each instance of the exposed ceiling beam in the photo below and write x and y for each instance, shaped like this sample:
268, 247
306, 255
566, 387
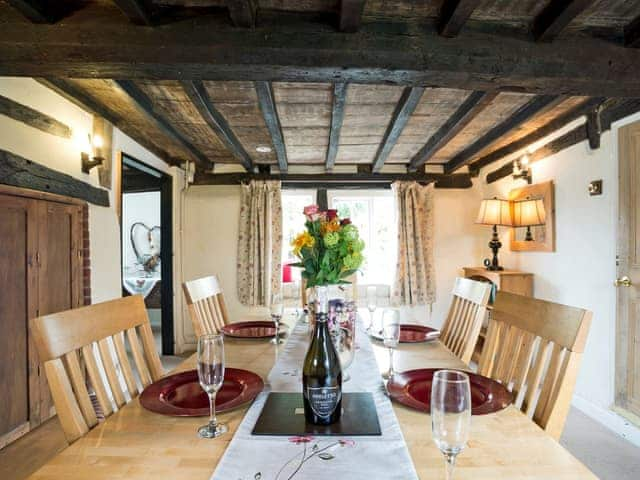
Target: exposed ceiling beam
615, 111
282, 48
337, 116
243, 12
532, 108
632, 33
146, 107
139, 12
539, 133
270, 114
351, 15
84, 101
453, 15
200, 98
406, 105
39, 11
470, 108
556, 16
354, 180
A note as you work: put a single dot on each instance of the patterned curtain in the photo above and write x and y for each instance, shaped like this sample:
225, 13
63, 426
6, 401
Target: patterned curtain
415, 276
260, 243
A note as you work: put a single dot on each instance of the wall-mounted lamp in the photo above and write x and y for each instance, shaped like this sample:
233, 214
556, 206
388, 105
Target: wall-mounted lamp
521, 169
91, 155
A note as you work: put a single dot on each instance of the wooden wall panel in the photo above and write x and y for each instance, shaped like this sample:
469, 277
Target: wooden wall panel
502, 107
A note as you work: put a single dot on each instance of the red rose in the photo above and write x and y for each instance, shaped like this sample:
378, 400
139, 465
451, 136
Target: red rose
345, 221
331, 214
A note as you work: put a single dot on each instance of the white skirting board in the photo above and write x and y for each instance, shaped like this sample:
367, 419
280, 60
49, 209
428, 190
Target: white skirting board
610, 419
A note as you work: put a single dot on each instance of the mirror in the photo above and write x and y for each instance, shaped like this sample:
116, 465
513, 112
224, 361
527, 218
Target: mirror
542, 236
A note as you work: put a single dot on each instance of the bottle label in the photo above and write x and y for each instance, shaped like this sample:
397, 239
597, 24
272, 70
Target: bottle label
323, 400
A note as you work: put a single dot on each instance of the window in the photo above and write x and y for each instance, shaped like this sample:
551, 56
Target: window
373, 212
293, 202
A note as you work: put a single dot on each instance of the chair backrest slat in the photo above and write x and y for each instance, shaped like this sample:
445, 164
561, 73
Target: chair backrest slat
205, 301
465, 317
534, 348
80, 361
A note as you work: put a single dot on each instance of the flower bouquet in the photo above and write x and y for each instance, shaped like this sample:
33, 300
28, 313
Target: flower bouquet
330, 249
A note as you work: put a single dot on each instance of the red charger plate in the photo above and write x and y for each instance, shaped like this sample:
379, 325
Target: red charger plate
410, 333
413, 389
180, 395
253, 329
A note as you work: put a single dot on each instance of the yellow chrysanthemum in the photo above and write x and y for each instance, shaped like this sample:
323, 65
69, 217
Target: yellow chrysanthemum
303, 240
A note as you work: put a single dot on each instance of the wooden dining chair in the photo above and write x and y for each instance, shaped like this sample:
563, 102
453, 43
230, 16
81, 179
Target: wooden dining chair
534, 348
206, 305
466, 314
76, 341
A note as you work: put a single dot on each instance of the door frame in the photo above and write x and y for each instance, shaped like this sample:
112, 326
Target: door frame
165, 187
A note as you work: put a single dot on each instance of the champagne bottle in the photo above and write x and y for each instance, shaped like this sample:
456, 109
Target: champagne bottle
322, 373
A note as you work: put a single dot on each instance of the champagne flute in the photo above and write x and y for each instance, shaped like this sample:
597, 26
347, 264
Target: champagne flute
450, 414
372, 304
211, 376
390, 335
276, 309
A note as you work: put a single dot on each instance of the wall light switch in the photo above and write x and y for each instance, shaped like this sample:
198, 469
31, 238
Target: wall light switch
595, 187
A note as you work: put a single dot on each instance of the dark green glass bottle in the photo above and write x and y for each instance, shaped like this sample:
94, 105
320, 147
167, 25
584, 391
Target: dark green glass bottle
322, 373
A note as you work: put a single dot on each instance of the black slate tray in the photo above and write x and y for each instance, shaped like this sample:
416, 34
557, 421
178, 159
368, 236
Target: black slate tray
283, 414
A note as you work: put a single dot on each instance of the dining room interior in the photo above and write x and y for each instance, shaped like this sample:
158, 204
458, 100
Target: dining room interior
284, 239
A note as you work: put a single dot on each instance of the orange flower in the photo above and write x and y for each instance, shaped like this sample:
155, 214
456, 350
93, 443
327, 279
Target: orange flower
332, 226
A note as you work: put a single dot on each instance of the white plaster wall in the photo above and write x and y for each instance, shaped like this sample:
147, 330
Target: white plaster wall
582, 269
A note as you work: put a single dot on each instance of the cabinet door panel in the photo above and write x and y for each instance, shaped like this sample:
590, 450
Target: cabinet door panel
17, 241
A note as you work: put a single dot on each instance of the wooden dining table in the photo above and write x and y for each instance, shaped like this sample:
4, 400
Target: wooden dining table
137, 444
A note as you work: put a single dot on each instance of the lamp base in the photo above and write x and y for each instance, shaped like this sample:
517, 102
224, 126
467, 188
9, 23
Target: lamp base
494, 245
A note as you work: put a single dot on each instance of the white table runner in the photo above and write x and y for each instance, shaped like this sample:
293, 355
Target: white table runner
280, 458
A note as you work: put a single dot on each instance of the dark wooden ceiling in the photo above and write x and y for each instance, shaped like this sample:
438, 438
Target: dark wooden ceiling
327, 82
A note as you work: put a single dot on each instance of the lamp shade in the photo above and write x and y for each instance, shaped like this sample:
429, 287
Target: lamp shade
528, 213
495, 211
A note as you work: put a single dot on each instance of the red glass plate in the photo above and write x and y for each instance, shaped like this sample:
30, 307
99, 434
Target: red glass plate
413, 389
253, 329
180, 395
410, 333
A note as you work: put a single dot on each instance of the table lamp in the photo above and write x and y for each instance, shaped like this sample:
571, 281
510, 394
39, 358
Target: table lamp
494, 212
529, 213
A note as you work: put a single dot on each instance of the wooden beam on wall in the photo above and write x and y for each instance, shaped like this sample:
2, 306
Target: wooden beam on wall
337, 117
84, 101
33, 118
632, 33
617, 110
243, 12
284, 48
556, 16
453, 15
200, 98
146, 107
20, 172
534, 107
594, 128
139, 12
270, 114
470, 108
351, 15
336, 180
541, 132
406, 105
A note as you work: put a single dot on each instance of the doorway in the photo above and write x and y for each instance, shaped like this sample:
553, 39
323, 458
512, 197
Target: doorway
146, 244
628, 299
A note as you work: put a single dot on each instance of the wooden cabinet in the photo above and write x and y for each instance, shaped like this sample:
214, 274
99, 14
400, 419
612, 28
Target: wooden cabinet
511, 281
40, 273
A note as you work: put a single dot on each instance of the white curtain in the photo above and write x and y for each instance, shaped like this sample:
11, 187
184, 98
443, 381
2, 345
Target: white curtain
260, 243
415, 273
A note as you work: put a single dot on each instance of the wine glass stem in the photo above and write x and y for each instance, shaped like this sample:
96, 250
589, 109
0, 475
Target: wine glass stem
213, 421
450, 463
391, 362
